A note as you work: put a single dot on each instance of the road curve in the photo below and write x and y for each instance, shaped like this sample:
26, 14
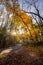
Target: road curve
11, 50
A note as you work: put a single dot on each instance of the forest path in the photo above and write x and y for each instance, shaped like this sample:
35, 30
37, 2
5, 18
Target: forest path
10, 50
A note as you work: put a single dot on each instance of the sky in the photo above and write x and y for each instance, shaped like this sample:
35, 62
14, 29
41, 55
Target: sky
40, 4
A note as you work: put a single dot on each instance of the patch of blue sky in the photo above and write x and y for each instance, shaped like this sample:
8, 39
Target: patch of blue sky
39, 4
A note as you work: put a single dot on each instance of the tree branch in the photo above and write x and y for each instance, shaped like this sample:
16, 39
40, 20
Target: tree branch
34, 14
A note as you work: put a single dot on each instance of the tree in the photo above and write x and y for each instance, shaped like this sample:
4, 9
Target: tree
36, 13
17, 19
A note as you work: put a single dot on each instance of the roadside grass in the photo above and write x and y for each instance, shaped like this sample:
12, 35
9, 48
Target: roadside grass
3, 55
36, 48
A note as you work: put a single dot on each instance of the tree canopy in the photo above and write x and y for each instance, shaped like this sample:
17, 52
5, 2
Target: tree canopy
18, 22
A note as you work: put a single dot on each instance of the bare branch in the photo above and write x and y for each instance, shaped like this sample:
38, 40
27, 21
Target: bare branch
33, 13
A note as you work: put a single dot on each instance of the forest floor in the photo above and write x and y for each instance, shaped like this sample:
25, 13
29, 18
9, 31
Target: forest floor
23, 56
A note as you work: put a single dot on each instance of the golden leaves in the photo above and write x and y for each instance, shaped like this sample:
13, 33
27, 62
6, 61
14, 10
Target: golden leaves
33, 32
26, 18
14, 18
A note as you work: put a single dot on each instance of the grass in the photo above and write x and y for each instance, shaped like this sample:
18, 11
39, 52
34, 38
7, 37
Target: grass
34, 46
3, 55
37, 48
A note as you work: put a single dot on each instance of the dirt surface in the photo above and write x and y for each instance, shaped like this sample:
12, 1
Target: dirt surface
23, 57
